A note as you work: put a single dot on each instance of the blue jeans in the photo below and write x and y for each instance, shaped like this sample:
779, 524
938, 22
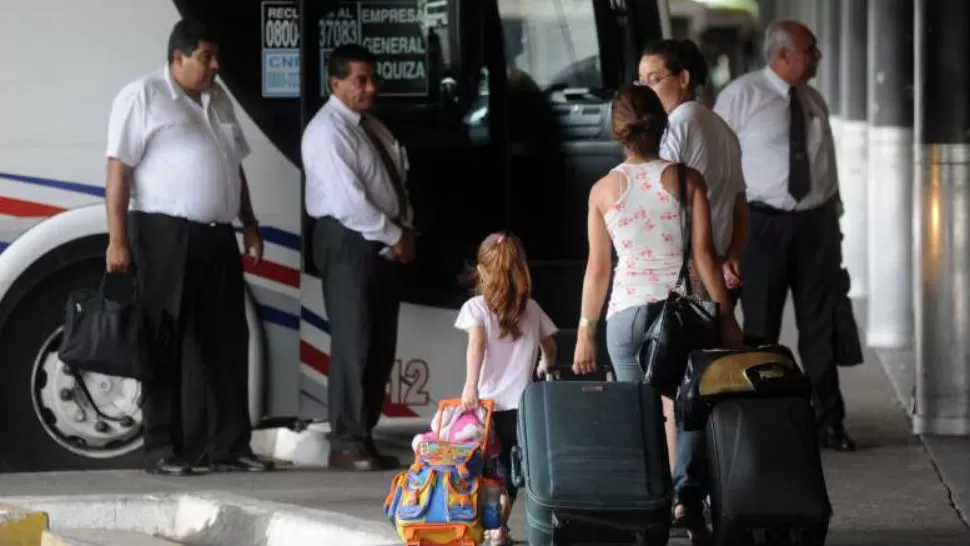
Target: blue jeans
624, 337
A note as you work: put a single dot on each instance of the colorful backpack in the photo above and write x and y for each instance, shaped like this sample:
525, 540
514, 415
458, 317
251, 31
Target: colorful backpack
455, 425
448, 497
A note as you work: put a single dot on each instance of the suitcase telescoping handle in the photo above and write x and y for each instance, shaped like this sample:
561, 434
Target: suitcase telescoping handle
555, 373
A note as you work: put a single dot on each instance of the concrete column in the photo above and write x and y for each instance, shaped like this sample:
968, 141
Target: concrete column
828, 34
942, 223
852, 154
890, 174
767, 12
806, 12
784, 9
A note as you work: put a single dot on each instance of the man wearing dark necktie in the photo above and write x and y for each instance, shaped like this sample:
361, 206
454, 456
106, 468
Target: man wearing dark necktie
355, 188
788, 160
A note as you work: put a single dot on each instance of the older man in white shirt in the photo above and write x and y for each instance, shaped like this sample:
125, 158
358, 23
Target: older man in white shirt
788, 160
355, 173
175, 149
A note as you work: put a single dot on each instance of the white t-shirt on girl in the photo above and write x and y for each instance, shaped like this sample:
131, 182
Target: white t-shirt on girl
509, 364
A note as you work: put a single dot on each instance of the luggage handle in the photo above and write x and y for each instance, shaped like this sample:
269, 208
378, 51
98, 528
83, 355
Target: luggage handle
127, 275
557, 518
553, 374
486, 403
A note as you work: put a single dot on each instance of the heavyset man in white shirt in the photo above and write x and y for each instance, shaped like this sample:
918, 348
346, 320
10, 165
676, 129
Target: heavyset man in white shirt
788, 159
174, 157
355, 174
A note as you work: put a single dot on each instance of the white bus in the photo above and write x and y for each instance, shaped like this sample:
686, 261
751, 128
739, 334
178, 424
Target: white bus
477, 149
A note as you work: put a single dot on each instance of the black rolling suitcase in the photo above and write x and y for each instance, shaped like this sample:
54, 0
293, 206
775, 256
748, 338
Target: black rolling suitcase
592, 464
766, 477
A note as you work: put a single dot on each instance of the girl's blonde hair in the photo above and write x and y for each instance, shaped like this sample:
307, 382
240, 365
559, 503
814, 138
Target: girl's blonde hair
502, 278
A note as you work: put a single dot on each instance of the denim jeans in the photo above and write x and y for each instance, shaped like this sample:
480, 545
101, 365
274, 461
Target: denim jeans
624, 337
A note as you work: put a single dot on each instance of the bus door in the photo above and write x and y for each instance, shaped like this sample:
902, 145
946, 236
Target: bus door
565, 59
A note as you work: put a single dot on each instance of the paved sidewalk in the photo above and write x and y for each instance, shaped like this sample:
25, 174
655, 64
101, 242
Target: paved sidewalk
889, 493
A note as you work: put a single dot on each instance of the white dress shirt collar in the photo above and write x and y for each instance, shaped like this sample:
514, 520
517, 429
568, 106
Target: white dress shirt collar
344, 111
777, 82
176, 91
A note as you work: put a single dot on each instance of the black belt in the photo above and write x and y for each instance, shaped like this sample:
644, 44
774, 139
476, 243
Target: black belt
764, 208
174, 218
758, 206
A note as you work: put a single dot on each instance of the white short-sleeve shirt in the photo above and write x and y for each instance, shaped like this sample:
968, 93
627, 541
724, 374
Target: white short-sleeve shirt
509, 364
185, 156
700, 139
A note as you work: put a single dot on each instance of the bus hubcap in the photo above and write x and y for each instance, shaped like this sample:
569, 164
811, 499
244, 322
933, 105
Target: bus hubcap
105, 425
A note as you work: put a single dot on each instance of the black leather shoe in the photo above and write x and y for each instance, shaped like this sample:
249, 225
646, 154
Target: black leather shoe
244, 463
353, 459
386, 462
835, 438
169, 466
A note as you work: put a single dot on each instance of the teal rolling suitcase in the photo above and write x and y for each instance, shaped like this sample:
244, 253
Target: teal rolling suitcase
592, 462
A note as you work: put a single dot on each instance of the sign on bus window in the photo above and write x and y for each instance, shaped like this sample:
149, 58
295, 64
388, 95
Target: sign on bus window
395, 31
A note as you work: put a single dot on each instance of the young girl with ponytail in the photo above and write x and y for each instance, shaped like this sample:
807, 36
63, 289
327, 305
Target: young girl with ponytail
506, 330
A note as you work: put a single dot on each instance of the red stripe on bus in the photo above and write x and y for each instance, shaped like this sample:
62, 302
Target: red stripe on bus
266, 269
273, 271
26, 209
320, 361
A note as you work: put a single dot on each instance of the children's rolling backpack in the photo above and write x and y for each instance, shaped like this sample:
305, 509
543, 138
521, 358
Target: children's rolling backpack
449, 496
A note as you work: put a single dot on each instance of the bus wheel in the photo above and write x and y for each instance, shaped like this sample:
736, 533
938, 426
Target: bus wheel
46, 420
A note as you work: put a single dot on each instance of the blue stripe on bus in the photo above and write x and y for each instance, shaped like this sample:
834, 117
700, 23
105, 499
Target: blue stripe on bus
289, 320
278, 317
60, 184
315, 319
270, 234
278, 236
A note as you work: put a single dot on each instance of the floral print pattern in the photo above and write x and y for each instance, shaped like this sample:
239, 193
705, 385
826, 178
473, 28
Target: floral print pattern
644, 225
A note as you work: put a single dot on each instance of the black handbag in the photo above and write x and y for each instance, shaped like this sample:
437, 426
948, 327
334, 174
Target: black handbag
848, 347
686, 322
105, 335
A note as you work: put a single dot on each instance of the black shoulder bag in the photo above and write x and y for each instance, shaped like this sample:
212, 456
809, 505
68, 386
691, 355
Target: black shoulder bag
686, 322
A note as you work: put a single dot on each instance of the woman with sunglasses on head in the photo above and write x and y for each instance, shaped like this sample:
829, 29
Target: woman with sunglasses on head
698, 137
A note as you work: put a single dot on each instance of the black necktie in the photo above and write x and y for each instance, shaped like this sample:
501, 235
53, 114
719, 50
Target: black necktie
390, 167
799, 179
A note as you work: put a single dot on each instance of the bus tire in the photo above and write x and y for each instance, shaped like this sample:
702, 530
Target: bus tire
39, 429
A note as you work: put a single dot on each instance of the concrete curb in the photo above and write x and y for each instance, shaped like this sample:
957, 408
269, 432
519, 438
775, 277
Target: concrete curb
21, 527
206, 518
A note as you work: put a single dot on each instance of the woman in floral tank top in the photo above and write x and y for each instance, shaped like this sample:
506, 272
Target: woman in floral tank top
635, 209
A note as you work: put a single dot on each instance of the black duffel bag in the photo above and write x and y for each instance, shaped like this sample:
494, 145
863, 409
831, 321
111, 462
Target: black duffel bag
767, 370
106, 335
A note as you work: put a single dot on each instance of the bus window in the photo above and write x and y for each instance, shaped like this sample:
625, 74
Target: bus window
551, 43
558, 132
